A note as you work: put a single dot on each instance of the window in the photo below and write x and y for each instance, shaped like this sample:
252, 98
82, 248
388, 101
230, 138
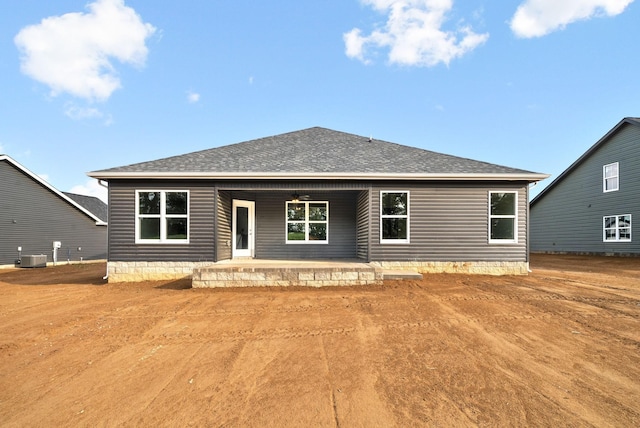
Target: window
610, 177
394, 217
617, 228
162, 216
503, 208
307, 222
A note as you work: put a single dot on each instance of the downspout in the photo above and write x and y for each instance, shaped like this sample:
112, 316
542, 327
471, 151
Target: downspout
106, 186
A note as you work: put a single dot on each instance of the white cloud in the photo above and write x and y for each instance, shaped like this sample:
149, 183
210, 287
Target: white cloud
76, 112
73, 53
91, 188
536, 18
193, 97
413, 34
79, 113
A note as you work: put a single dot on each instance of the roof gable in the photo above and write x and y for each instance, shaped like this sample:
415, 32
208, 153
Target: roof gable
633, 121
99, 221
312, 153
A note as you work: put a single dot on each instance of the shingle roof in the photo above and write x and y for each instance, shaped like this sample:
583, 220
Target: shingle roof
315, 151
91, 204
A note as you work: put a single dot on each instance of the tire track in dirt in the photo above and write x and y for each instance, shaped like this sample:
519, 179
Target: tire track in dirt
534, 370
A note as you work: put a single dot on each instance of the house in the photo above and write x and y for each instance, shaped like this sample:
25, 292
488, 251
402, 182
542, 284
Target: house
34, 216
317, 194
590, 207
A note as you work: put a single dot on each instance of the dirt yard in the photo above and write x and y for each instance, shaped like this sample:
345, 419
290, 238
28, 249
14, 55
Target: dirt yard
560, 347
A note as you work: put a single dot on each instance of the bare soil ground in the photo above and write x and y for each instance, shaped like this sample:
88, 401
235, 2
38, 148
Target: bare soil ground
560, 347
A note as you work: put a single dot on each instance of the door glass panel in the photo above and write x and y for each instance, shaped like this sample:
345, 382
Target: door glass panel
242, 228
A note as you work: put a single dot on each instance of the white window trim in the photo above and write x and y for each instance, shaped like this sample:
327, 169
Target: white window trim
306, 241
604, 177
162, 216
407, 216
617, 228
514, 217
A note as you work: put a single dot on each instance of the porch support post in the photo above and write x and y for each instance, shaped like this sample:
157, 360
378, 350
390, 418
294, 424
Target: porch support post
370, 226
216, 196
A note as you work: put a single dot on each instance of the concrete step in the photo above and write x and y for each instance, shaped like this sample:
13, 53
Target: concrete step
401, 274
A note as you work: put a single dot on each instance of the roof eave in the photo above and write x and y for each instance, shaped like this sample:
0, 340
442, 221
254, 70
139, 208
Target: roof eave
524, 176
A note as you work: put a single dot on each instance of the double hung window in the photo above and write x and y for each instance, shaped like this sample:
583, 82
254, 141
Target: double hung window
503, 209
162, 216
616, 228
394, 217
610, 177
307, 222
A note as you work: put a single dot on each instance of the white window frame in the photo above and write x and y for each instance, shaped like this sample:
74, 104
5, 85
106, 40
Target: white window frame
605, 177
163, 216
616, 228
386, 216
513, 216
306, 222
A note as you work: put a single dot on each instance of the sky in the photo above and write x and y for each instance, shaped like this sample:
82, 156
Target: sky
530, 84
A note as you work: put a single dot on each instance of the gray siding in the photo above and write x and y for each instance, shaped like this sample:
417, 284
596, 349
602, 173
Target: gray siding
122, 246
363, 224
271, 227
32, 217
450, 222
569, 217
223, 226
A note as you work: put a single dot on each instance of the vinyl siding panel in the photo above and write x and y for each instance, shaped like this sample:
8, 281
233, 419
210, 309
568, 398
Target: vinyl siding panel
271, 227
569, 217
450, 222
122, 246
223, 227
363, 224
32, 217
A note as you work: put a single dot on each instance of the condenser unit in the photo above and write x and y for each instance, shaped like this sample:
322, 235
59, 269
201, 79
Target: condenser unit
33, 261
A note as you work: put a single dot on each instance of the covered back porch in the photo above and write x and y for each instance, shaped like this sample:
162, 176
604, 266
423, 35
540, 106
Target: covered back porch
298, 221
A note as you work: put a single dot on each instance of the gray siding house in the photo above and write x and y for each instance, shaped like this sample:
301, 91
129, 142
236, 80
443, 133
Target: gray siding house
34, 215
590, 208
317, 194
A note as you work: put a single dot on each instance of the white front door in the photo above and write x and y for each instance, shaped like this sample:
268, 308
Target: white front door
243, 225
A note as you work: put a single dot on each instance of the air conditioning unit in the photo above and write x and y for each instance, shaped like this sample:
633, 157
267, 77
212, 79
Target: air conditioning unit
33, 261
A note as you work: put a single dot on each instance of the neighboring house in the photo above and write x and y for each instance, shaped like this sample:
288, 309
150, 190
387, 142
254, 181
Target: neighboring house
317, 194
34, 215
592, 206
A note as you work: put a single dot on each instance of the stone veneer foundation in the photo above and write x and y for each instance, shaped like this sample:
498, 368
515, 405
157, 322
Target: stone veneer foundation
208, 274
475, 268
150, 271
317, 276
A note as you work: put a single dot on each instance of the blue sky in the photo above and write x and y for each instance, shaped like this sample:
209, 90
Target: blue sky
530, 84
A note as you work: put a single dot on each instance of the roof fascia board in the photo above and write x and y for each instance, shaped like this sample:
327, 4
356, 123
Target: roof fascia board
585, 156
316, 176
52, 189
